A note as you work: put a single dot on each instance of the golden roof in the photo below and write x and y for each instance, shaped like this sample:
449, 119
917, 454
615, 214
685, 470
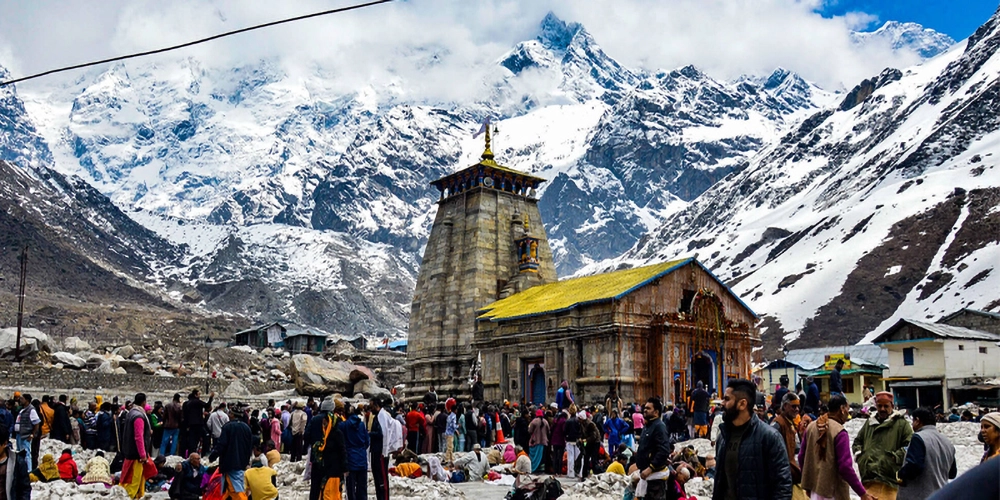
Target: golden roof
567, 294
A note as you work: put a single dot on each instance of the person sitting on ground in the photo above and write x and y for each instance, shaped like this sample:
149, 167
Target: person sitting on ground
98, 470
262, 482
434, 469
46, 471
407, 469
162, 476
509, 454
522, 465
475, 463
618, 466
272, 453
190, 474
67, 466
678, 480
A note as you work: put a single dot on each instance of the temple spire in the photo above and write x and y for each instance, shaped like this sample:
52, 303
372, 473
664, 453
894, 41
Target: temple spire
487, 153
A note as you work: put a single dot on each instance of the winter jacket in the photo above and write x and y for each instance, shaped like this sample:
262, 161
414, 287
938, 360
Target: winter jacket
356, 441
572, 429
18, 485
172, 415
881, 448
193, 411
812, 398
559, 430
930, 463
233, 447
654, 446
591, 433
105, 428
67, 467
521, 434
130, 444
539, 432
615, 428
764, 473
60, 428
98, 471
333, 462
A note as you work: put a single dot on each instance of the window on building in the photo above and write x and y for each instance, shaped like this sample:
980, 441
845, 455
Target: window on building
848, 386
961, 347
686, 301
982, 350
908, 356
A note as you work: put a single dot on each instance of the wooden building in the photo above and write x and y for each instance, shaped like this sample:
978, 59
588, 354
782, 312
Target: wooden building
652, 330
289, 337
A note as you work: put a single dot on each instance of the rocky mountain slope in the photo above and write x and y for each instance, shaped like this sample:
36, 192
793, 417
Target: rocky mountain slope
882, 206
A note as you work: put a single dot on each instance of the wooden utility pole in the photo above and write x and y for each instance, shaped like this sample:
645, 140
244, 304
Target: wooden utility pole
20, 302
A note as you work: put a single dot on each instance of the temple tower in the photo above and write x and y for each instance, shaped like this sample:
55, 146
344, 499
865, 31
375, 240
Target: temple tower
487, 242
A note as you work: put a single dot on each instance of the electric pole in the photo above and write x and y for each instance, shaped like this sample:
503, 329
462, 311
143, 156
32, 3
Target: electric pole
20, 303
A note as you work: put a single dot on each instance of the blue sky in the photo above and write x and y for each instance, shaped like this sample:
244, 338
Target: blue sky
956, 18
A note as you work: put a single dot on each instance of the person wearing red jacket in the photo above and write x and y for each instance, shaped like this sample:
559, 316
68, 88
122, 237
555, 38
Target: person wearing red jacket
67, 466
415, 423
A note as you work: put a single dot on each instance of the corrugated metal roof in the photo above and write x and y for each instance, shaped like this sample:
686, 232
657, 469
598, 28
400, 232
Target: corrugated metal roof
940, 330
977, 312
813, 358
567, 294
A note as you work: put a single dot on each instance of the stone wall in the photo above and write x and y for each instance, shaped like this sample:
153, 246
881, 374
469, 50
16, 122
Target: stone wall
28, 377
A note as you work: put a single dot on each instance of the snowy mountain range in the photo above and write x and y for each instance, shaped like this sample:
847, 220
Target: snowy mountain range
280, 196
885, 205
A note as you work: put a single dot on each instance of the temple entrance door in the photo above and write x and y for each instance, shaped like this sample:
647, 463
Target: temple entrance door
701, 369
534, 388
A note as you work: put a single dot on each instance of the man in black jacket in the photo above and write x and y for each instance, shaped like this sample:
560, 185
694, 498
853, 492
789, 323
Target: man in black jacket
193, 421
329, 458
233, 449
752, 463
654, 450
13, 469
61, 428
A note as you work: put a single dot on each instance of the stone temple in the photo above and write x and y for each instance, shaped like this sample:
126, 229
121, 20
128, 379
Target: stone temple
487, 290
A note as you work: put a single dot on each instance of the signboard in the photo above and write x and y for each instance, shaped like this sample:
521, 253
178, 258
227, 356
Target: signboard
830, 361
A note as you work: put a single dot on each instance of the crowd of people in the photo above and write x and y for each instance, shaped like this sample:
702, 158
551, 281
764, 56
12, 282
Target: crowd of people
793, 448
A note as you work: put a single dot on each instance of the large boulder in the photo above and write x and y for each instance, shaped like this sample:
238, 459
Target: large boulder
131, 367
75, 345
104, 367
125, 351
69, 360
95, 360
32, 342
370, 388
318, 377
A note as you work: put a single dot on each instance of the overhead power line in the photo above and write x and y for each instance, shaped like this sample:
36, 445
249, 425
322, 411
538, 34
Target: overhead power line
196, 42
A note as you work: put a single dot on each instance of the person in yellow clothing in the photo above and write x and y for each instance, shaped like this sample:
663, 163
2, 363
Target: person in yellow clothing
409, 469
618, 466
48, 414
262, 483
46, 471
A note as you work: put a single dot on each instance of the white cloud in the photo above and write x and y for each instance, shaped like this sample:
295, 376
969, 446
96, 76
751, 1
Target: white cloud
443, 49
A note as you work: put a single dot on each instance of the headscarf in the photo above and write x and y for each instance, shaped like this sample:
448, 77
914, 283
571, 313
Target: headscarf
822, 425
47, 470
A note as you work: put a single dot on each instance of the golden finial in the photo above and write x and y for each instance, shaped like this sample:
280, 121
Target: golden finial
487, 154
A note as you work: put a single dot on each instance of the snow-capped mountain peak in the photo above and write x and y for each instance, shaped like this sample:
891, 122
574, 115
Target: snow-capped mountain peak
913, 37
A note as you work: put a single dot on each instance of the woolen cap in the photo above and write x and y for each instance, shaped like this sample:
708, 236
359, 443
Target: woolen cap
993, 418
328, 404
